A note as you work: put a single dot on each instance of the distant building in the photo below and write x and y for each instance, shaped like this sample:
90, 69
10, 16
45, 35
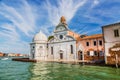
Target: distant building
12, 54
1, 54
112, 43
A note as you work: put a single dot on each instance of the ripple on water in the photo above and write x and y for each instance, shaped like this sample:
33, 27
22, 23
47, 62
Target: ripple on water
13, 70
56, 71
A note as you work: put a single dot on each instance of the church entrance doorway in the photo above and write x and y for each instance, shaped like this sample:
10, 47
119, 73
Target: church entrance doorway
61, 55
80, 55
33, 56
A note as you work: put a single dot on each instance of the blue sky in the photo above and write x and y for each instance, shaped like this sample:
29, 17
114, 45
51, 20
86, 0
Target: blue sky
20, 20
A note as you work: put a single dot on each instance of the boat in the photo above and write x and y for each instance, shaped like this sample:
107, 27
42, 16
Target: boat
4, 58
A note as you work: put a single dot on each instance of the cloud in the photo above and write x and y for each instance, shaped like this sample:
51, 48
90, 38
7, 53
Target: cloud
13, 47
93, 30
12, 42
27, 18
96, 2
9, 32
66, 8
21, 19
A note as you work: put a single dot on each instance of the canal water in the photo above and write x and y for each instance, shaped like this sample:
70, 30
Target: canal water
13, 70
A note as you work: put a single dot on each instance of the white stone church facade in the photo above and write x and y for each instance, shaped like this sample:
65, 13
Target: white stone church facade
61, 46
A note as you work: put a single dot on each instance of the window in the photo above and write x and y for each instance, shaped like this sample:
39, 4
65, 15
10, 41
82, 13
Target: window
91, 53
61, 36
33, 47
71, 47
51, 50
100, 43
116, 33
94, 43
87, 43
41, 46
47, 45
88, 53
33, 56
33, 51
101, 53
95, 53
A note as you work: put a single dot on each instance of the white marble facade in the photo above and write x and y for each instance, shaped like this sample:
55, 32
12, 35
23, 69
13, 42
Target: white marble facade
60, 47
38, 48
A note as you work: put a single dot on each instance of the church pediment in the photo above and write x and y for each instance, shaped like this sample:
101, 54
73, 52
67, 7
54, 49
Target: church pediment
61, 27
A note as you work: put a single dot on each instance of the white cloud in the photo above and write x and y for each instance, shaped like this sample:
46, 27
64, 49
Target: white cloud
19, 47
24, 19
94, 30
12, 42
95, 2
9, 32
66, 8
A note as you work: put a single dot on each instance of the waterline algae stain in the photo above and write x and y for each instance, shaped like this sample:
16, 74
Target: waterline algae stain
12, 70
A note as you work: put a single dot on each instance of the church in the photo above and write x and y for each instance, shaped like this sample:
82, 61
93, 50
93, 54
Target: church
64, 45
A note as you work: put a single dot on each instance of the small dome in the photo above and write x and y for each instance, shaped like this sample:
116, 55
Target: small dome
40, 37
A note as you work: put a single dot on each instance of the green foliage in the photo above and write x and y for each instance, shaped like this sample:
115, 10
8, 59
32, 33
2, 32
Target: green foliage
50, 37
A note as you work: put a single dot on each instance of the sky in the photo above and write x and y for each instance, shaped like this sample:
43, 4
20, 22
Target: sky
20, 20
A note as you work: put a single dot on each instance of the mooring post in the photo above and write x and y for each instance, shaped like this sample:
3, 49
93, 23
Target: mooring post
116, 60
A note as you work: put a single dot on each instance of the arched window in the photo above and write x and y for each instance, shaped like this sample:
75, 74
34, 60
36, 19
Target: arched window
51, 50
41, 46
33, 47
88, 53
33, 56
95, 53
71, 47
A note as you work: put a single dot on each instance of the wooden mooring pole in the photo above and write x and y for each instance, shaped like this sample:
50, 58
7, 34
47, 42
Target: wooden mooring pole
116, 60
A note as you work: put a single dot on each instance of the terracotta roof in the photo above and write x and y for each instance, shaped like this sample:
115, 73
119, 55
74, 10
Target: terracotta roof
93, 36
1, 53
118, 23
73, 34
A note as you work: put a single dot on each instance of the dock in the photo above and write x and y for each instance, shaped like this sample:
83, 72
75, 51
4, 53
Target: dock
24, 60
58, 61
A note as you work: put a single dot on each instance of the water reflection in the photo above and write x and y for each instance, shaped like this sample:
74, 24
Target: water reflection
13, 70
56, 71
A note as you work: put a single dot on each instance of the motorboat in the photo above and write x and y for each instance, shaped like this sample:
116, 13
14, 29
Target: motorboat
4, 58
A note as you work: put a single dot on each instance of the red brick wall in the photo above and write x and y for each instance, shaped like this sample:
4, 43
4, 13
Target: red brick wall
92, 58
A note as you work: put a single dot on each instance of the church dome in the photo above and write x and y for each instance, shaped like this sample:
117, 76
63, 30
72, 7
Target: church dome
40, 37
